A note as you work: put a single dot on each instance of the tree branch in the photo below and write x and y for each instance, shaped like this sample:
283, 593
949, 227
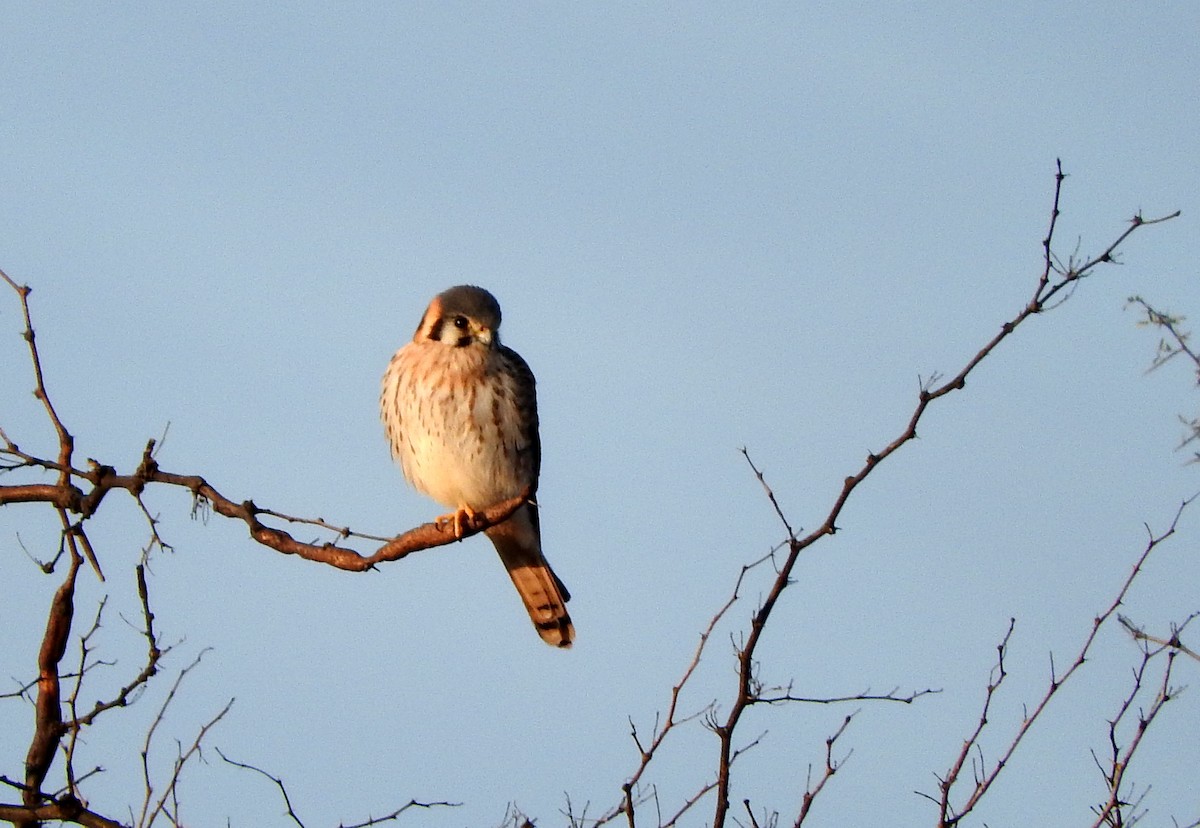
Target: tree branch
1053, 280
949, 815
103, 479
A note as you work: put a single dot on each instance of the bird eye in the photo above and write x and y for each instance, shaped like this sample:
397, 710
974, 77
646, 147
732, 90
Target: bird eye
460, 322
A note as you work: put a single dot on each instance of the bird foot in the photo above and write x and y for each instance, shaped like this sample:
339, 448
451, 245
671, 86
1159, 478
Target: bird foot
458, 521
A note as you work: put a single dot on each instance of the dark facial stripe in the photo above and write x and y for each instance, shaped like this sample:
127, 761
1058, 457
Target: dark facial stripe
444, 330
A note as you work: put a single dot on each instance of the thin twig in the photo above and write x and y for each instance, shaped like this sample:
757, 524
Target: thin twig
154, 655
1111, 813
151, 809
287, 800
950, 815
831, 767
66, 443
630, 797
1050, 284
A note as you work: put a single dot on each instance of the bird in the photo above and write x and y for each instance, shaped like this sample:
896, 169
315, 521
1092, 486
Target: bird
460, 412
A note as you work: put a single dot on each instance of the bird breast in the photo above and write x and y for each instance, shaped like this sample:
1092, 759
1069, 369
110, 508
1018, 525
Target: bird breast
456, 425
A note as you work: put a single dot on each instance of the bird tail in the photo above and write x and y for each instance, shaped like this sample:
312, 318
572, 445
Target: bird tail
518, 540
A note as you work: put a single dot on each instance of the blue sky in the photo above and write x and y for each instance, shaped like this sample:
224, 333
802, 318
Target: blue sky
710, 226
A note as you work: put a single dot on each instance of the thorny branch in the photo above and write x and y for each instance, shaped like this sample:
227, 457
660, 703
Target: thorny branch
949, 814
1054, 285
153, 656
66, 443
831, 767
291, 811
80, 492
75, 496
287, 800
1055, 278
68, 498
633, 795
151, 808
51, 728
1119, 810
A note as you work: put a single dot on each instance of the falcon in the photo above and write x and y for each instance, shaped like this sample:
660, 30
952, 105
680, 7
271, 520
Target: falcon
460, 412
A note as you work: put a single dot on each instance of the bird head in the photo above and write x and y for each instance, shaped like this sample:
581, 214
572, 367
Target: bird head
461, 316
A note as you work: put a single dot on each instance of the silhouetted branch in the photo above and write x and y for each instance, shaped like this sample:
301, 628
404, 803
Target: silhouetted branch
291, 811
632, 797
831, 767
950, 815
785, 695
1054, 279
80, 492
153, 655
48, 719
1119, 810
151, 808
287, 800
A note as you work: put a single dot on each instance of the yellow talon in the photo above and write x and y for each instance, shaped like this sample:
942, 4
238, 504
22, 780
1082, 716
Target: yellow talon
460, 520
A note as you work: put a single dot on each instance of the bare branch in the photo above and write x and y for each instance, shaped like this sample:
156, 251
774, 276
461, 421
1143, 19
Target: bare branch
1052, 281
659, 733
1113, 811
150, 808
950, 815
100, 479
104, 479
831, 767
1174, 344
153, 656
48, 727
63, 809
73, 699
1177, 341
66, 443
770, 496
78, 492
892, 695
412, 803
287, 800
1173, 641
291, 811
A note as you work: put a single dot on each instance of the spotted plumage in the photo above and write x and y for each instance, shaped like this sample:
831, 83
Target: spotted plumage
460, 412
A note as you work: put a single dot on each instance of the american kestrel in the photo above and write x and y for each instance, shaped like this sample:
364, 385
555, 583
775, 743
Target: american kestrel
460, 411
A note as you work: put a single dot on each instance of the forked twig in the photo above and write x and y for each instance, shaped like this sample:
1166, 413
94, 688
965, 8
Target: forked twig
950, 815
1053, 280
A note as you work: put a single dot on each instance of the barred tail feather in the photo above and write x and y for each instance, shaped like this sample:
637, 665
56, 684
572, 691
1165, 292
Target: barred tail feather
519, 545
